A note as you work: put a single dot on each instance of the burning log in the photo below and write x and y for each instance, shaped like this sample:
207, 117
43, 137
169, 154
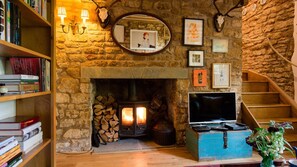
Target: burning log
105, 119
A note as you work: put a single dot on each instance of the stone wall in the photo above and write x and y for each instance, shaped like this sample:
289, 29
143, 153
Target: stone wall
275, 19
96, 48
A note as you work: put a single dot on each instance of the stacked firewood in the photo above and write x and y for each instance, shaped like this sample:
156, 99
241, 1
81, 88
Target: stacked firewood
105, 118
158, 110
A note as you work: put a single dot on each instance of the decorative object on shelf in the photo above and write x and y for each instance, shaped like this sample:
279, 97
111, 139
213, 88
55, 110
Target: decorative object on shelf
193, 31
3, 89
221, 75
270, 142
195, 58
219, 18
103, 13
200, 77
220, 45
73, 25
134, 28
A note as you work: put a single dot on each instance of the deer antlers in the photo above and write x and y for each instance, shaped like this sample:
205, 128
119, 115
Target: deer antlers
219, 18
103, 13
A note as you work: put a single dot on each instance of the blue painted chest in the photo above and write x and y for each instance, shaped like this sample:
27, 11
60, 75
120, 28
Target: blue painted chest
215, 145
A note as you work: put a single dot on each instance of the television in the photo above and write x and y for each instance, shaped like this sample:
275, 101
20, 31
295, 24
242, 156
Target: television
211, 107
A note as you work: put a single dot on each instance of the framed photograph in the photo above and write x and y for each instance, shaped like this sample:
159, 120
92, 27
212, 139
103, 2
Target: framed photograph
195, 58
193, 32
143, 39
199, 77
119, 33
221, 75
220, 45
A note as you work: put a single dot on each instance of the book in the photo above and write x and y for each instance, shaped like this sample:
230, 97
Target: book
28, 135
2, 17
29, 144
22, 87
5, 140
8, 147
10, 154
16, 163
18, 122
47, 82
8, 21
4, 165
19, 77
19, 132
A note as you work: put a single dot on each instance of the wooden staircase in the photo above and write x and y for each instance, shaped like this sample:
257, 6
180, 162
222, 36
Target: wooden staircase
263, 100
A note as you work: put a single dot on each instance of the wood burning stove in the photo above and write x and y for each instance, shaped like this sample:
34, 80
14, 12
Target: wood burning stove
133, 115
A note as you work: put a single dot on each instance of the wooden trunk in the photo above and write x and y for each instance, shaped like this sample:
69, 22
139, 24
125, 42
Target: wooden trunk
210, 145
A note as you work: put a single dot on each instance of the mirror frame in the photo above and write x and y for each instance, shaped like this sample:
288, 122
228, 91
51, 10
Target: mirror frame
134, 52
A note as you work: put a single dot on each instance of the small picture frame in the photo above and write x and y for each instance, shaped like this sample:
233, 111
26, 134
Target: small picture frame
193, 31
220, 45
195, 58
221, 75
143, 39
199, 77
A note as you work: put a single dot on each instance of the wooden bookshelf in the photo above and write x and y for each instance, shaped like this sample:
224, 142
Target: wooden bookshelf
37, 41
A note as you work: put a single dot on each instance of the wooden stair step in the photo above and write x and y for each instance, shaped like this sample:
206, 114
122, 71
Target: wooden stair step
267, 120
272, 110
255, 86
260, 97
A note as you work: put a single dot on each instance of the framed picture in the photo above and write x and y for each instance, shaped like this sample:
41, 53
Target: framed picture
199, 77
143, 39
193, 32
119, 33
221, 75
220, 45
195, 58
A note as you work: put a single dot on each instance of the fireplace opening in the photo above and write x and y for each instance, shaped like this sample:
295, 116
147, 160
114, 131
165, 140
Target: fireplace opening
140, 103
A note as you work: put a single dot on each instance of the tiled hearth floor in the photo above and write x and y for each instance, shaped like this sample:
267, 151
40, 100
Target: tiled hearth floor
129, 144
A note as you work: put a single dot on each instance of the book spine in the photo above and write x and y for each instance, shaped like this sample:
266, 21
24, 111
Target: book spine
6, 141
11, 154
2, 17
28, 144
47, 75
8, 21
28, 135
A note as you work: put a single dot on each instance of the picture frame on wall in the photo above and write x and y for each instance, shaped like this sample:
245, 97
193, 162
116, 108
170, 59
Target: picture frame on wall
143, 39
195, 58
221, 75
220, 45
200, 77
193, 31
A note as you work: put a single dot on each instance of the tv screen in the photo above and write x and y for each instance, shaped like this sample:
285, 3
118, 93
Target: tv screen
211, 107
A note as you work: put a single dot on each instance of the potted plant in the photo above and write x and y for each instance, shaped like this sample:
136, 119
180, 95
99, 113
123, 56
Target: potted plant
270, 142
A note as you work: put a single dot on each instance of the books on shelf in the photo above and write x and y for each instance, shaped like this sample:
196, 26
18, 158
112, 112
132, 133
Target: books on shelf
19, 132
22, 87
5, 140
28, 135
12, 23
8, 147
31, 143
18, 122
10, 154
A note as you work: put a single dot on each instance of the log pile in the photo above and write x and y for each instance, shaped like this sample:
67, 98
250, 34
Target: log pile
105, 118
157, 110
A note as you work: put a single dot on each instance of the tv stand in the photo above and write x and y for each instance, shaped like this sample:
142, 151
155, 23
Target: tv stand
224, 144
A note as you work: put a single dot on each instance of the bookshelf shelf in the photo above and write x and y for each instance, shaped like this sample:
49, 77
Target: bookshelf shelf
35, 37
32, 154
30, 16
22, 96
11, 50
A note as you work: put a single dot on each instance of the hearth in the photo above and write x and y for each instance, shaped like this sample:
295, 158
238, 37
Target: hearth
133, 114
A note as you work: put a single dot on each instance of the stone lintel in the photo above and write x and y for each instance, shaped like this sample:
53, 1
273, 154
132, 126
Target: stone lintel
134, 73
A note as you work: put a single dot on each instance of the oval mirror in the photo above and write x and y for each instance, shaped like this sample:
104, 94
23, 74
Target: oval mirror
141, 33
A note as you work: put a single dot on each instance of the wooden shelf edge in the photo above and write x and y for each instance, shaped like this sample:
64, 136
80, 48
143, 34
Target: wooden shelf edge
22, 96
10, 49
32, 14
27, 157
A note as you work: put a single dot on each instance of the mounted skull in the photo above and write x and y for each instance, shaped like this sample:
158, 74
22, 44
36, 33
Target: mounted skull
219, 18
103, 13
